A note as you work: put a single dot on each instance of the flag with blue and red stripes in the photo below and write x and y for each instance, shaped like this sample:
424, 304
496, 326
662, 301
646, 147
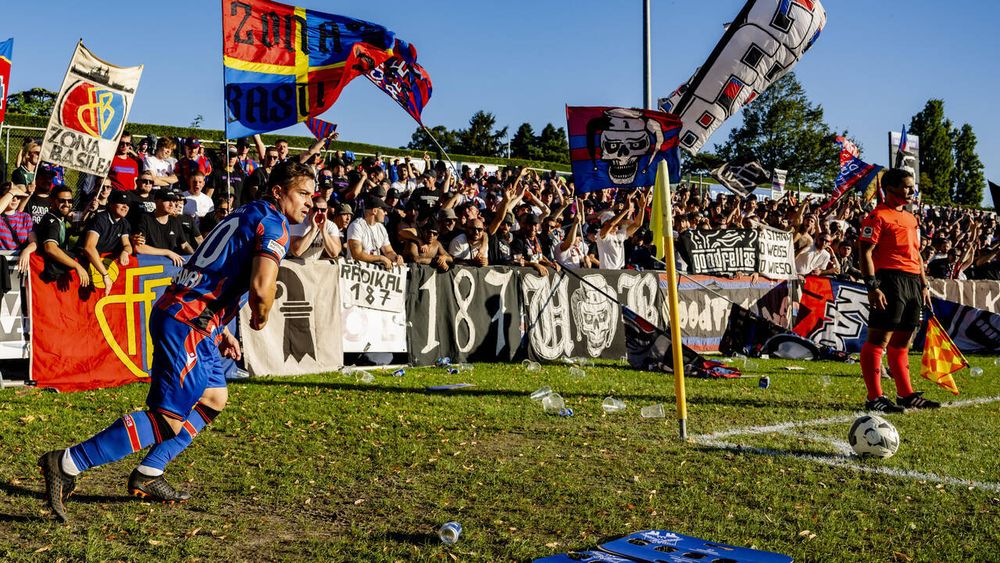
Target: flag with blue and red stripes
613, 147
319, 128
283, 64
403, 80
902, 150
6, 53
854, 174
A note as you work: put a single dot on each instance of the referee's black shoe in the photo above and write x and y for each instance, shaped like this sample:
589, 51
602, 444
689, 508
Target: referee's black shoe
916, 401
883, 405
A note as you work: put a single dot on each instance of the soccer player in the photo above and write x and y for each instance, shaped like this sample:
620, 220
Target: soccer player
188, 325
897, 292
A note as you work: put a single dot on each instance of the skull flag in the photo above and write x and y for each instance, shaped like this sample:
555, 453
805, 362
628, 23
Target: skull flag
763, 43
620, 148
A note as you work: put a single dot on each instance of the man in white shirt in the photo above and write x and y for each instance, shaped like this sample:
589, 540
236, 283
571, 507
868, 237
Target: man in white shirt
196, 202
367, 238
572, 251
317, 236
612, 236
471, 248
816, 260
161, 164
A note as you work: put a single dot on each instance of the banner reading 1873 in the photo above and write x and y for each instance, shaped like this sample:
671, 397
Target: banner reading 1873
90, 113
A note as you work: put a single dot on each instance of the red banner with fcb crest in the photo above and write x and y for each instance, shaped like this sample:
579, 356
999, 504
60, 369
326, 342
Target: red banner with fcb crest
85, 338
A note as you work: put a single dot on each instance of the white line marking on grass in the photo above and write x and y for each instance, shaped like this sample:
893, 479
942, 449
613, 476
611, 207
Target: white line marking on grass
844, 458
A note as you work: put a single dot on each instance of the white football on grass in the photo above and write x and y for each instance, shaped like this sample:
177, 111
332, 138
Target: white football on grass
873, 436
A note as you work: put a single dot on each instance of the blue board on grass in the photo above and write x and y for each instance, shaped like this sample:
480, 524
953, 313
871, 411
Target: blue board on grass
664, 546
451, 386
584, 557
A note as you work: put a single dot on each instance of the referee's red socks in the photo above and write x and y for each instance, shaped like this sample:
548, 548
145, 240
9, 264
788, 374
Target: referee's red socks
899, 366
871, 369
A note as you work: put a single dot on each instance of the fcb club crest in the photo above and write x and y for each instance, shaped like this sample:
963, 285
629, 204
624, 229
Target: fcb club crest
93, 110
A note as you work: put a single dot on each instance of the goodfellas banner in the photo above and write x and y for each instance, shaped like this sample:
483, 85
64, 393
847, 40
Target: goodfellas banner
285, 63
90, 113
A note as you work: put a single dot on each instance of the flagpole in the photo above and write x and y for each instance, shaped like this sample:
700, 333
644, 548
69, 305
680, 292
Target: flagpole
436, 143
680, 391
647, 82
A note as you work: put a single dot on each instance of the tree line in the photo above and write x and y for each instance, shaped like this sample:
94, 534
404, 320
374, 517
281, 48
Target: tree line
483, 138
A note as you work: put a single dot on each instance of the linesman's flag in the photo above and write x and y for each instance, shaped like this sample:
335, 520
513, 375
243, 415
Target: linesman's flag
284, 64
941, 357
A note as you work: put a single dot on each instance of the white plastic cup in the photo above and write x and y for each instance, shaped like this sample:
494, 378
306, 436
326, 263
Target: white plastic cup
541, 393
365, 377
553, 403
531, 365
450, 532
653, 411
577, 373
976, 371
586, 362
612, 404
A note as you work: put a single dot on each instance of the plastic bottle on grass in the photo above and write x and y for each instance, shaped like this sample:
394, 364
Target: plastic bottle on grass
450, 532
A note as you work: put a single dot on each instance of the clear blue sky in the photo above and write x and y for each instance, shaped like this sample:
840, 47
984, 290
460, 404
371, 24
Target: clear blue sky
875, 65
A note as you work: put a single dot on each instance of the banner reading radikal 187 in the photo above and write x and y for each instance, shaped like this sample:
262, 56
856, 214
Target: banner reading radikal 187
90, 113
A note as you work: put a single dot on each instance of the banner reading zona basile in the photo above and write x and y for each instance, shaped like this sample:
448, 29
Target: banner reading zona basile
90, 113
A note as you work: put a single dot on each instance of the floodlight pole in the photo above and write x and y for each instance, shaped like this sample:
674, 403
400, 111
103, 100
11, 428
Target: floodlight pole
647, 82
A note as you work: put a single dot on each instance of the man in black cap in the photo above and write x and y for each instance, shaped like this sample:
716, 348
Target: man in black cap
341, 213
500, 253
159, 233
107, 233
527, 247
447, 226
367, 239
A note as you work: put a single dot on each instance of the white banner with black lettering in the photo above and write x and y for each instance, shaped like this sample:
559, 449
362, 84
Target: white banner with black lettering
13, 322
725, 251
303, 333
566, 317
776, 254
466, 314
374, 308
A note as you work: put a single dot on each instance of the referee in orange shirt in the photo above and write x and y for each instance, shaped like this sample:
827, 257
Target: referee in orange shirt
897, 293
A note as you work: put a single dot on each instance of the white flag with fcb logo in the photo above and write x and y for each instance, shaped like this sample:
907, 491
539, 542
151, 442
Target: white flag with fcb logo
90, 113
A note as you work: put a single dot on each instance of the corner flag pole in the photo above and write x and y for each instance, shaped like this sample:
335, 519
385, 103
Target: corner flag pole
663, 186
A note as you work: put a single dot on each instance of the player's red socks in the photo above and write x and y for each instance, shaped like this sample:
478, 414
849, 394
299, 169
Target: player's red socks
899, 366
871, 369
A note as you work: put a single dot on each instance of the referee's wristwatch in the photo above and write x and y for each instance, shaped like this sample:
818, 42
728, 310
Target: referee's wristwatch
872, 283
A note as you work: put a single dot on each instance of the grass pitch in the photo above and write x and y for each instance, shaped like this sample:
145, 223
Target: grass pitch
326, 468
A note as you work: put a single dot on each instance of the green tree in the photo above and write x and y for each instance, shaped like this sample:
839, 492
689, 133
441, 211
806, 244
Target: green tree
37, 101
783, 129
936, 157
481, 138
701, 163
553, 145
523, 144
967, 179
421, 141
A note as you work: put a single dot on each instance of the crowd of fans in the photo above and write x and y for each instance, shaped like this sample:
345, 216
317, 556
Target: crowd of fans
393, 211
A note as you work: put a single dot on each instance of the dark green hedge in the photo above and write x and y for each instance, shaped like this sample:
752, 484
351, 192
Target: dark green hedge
295, 141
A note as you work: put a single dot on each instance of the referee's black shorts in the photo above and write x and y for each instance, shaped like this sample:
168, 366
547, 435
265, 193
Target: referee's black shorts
904, 301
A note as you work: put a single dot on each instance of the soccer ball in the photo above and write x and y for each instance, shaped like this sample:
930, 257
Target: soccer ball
873, 436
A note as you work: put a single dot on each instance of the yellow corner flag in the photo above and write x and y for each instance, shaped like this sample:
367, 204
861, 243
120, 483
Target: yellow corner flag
657, 220
941, 357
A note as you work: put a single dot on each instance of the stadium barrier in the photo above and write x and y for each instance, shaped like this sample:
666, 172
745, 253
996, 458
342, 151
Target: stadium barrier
85, 339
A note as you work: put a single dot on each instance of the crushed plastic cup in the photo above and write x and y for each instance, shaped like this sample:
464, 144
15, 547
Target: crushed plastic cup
996, 361
653, 411
459, 368
553, 403
541, 393
531, 365
364, 376
612, 404
450, 532
577, 372
976, 371
585, 362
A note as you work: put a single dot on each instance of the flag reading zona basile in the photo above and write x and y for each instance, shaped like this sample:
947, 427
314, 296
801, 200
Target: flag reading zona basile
403, 80
761, 45
620, 148
283, 64
90, 113
6, 54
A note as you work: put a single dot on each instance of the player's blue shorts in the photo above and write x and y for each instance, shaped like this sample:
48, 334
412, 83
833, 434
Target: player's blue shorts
185, 363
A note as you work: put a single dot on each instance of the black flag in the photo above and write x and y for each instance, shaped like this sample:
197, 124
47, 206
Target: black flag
741, 177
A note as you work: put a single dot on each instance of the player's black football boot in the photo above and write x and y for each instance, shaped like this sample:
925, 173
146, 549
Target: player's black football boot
58, 485
154, 488
882, 405
916, 401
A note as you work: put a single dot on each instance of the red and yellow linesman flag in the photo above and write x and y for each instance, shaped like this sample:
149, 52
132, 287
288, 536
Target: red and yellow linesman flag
284, 64
941, 357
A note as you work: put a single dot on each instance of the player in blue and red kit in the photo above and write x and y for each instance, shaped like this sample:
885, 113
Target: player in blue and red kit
187, 386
